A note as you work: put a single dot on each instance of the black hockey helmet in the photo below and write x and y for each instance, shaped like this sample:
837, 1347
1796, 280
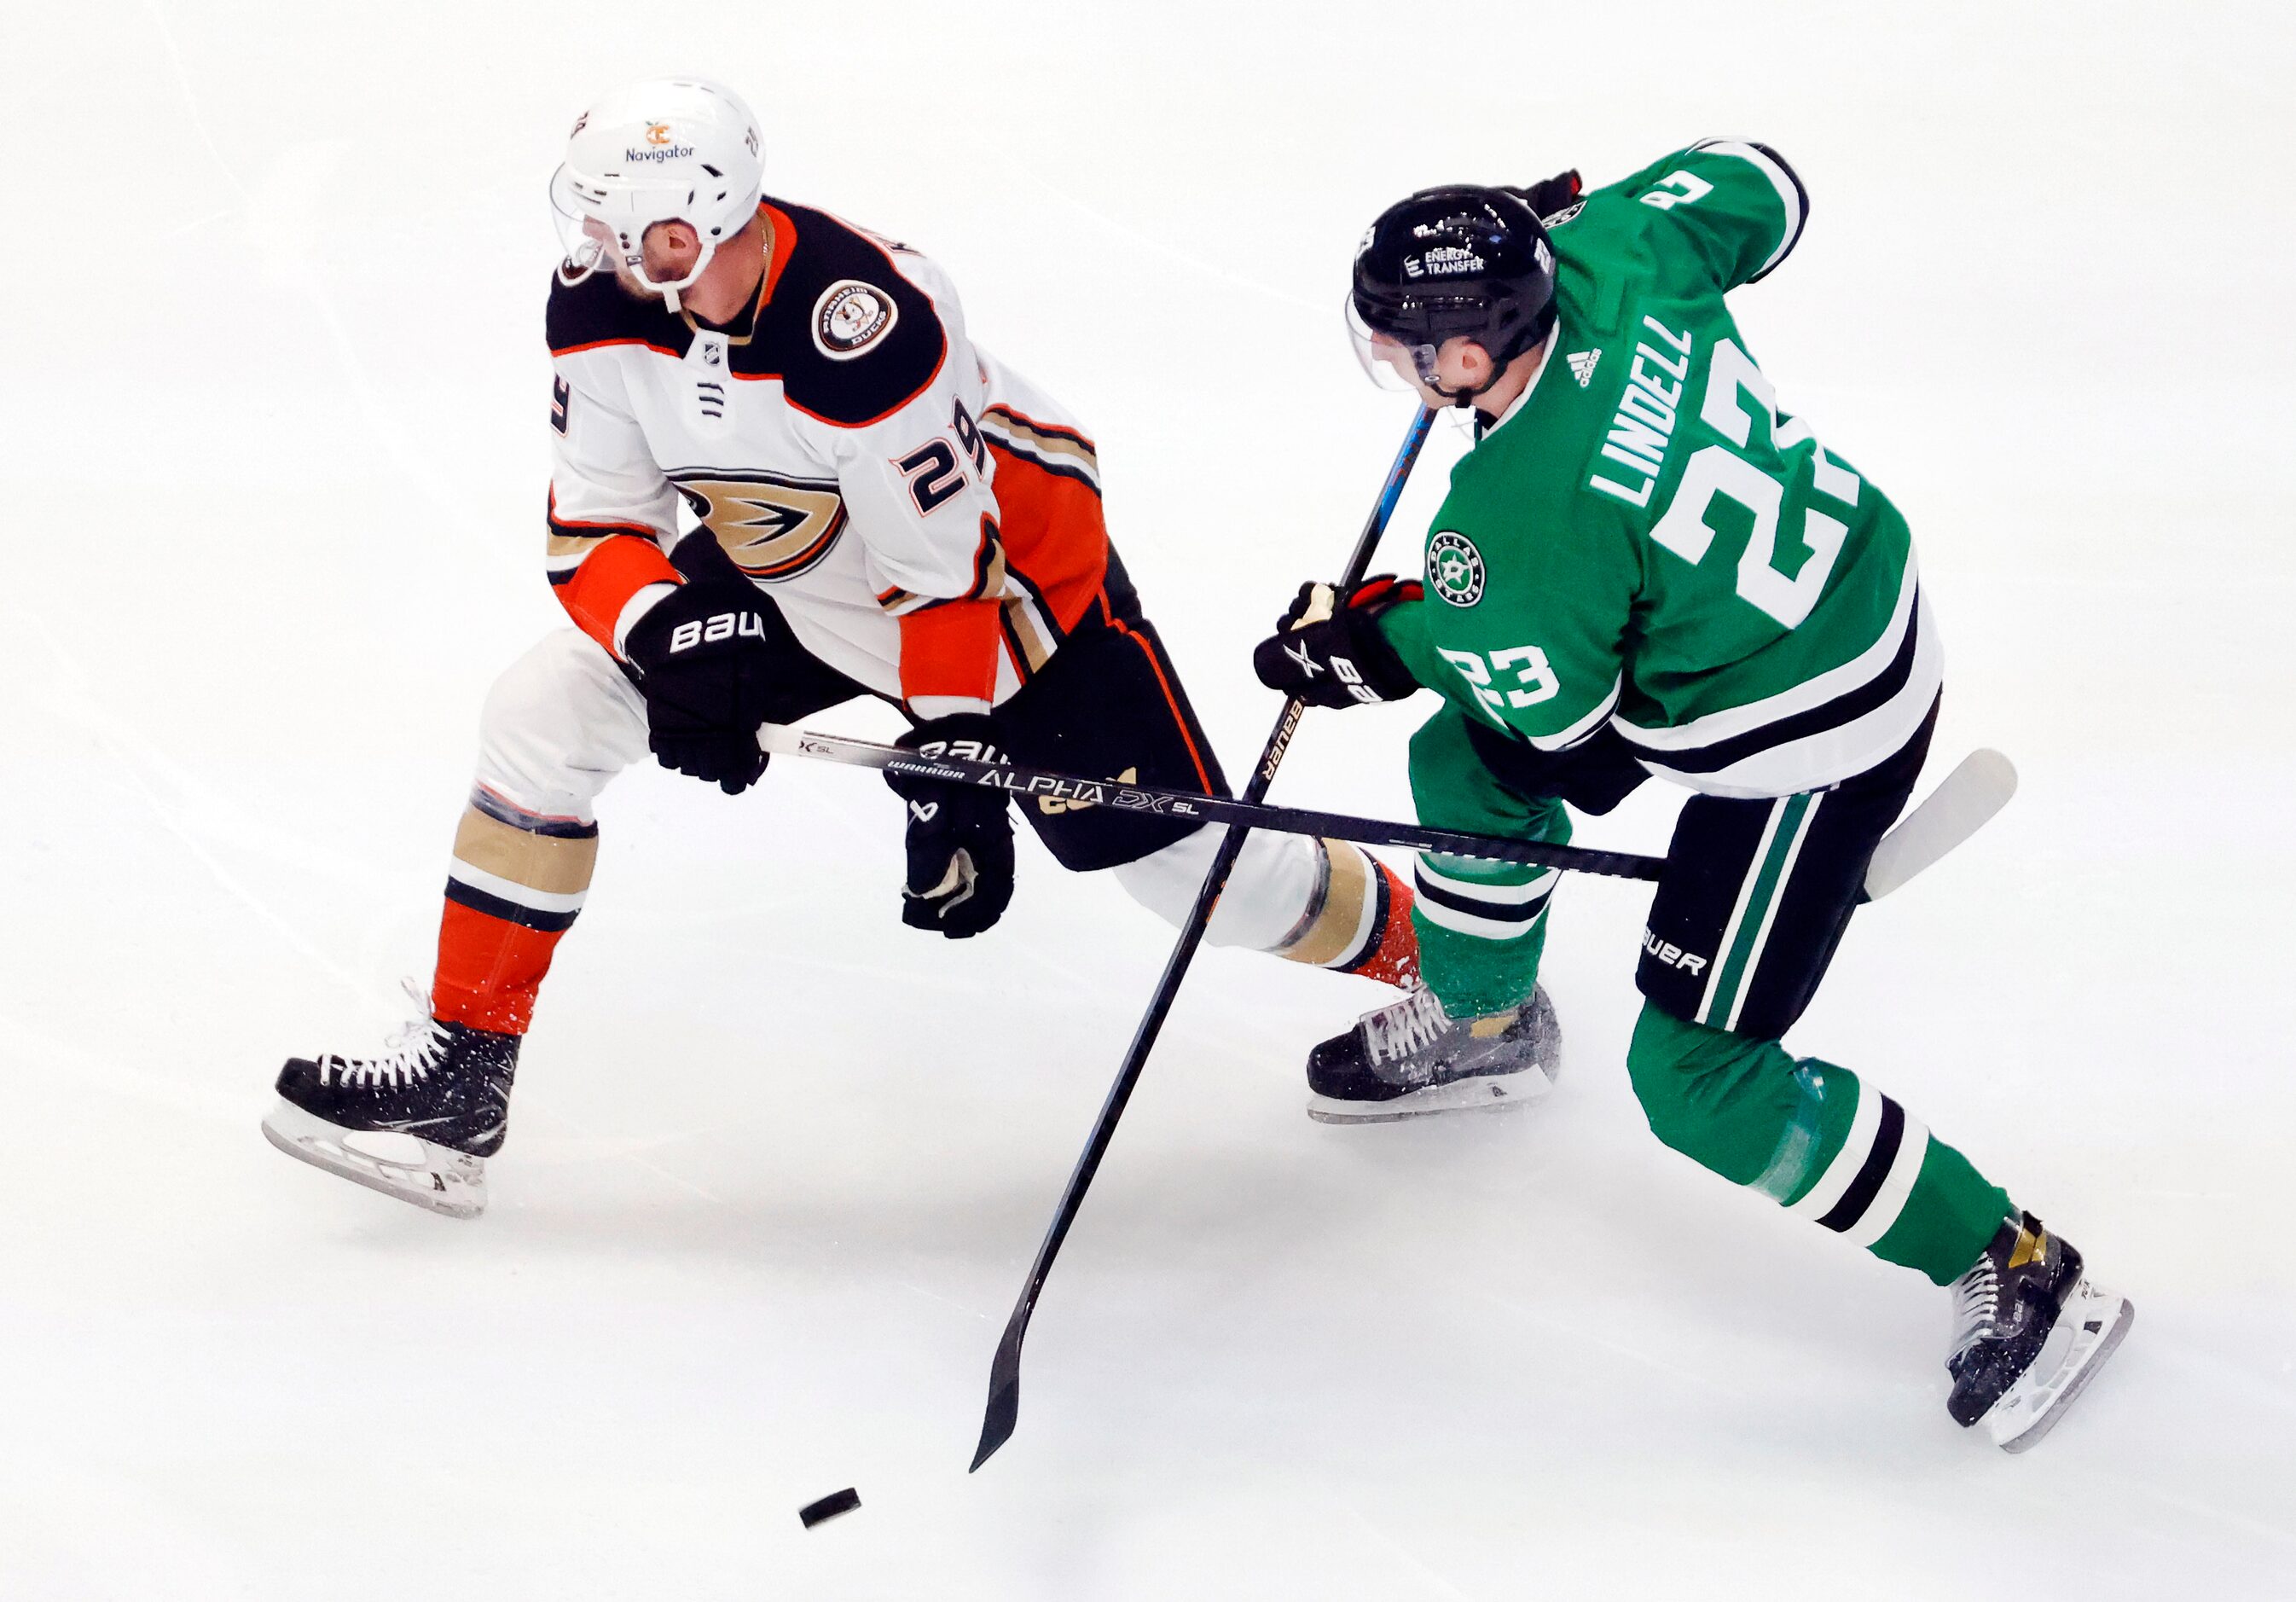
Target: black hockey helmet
1458, 261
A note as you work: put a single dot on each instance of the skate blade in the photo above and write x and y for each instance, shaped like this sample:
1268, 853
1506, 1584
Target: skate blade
2091, 1326
437, 1178
1489, 1093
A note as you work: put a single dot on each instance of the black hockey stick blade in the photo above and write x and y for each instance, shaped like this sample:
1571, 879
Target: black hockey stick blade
1004, 1410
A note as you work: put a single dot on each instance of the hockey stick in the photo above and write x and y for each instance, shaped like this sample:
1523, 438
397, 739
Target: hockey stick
1963, 801
1003, 1409
1024, 783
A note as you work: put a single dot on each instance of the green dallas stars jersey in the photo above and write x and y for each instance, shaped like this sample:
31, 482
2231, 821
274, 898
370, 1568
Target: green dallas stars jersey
1644, 538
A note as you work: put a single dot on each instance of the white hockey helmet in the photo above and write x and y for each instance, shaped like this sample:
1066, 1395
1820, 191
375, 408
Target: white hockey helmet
669, 150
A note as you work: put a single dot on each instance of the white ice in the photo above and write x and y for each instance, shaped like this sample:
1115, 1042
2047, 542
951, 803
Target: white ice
273, 409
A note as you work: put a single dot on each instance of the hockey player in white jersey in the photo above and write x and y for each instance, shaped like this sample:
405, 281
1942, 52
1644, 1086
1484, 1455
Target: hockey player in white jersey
872, 505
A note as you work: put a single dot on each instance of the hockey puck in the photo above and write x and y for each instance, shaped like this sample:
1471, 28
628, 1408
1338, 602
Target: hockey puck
830, 1506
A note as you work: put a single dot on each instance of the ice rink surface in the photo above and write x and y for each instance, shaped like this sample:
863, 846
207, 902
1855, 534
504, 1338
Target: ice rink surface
274, 470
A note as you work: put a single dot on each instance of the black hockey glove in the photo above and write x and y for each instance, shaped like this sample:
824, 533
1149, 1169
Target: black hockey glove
960, 844
1551, 195
705, 670
1330, 652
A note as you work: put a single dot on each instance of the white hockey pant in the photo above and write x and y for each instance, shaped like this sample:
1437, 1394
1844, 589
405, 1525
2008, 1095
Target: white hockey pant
562, 720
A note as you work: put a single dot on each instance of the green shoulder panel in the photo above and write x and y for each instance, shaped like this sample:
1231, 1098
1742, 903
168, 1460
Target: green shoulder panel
1704, 218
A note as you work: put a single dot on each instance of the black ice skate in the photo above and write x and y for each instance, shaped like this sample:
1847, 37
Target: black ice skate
1412, 1058
417, 1122
2030, 1329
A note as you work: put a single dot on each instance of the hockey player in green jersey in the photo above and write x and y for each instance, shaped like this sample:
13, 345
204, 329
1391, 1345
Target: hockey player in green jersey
1645, 566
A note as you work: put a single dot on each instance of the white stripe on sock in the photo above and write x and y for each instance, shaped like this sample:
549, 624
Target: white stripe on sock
1834, 1182
1890, 1201
510, 890
1467, 922
1500, 895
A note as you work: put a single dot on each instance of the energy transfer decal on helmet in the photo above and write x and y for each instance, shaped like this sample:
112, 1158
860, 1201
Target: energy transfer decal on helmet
849, 317
1455, 568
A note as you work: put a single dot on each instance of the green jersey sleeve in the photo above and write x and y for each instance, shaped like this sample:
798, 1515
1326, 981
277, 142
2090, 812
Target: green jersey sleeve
1528, 635
1737, 206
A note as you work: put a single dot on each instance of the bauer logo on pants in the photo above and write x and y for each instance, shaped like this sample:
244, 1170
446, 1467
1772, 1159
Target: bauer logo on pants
849, 317
1455, 568
1671, 955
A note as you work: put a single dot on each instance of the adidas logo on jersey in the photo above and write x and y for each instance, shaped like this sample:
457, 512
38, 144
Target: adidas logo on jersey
1582, 365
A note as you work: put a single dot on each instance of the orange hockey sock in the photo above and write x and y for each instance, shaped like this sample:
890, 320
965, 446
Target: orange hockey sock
516, 884
1391, 953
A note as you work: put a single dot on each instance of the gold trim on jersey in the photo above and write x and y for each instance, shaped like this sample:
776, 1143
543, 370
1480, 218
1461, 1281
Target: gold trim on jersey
991, 583
1054, 447
577, 545
1021, 625
773, 527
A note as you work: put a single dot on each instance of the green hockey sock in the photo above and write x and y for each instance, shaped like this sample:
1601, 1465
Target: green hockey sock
1813, 1138
1481, 924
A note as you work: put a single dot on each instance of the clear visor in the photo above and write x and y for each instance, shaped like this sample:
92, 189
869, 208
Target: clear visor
607, 229
1386, 360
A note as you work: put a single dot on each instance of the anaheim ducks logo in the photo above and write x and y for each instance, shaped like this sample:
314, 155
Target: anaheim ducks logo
849, 317
773, 527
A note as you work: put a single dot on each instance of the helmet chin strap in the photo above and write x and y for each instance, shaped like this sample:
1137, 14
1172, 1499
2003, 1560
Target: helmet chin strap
1499, 365
669, 291
1464, 398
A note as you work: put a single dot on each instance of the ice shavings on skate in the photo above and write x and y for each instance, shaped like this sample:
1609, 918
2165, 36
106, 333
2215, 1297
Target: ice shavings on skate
1410, 1058
416, 1121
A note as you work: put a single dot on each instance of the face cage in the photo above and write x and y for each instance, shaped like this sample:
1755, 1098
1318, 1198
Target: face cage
589, 237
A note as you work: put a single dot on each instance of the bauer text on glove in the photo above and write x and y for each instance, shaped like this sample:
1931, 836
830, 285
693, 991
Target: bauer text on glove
1328, 650
705, 669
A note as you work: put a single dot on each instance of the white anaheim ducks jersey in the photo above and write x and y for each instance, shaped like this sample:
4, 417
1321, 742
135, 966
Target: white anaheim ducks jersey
928, 522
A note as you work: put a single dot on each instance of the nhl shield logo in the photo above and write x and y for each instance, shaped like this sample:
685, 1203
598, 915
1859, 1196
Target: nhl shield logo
1455, 568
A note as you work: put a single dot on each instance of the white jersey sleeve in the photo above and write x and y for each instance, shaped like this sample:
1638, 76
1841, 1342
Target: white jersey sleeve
613, 513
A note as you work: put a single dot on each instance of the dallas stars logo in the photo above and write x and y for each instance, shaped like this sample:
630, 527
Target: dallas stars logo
1455, 568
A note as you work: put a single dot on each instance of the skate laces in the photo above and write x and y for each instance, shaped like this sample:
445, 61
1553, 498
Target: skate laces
408, 1054
1977, 1306
1401, 1028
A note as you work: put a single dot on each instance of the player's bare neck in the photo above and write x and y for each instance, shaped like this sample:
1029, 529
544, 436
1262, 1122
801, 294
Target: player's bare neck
1493, 402
729, 286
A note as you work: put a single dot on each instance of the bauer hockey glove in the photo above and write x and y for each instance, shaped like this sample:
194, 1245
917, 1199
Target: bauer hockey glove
707, 674
960, 844
1328, 650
